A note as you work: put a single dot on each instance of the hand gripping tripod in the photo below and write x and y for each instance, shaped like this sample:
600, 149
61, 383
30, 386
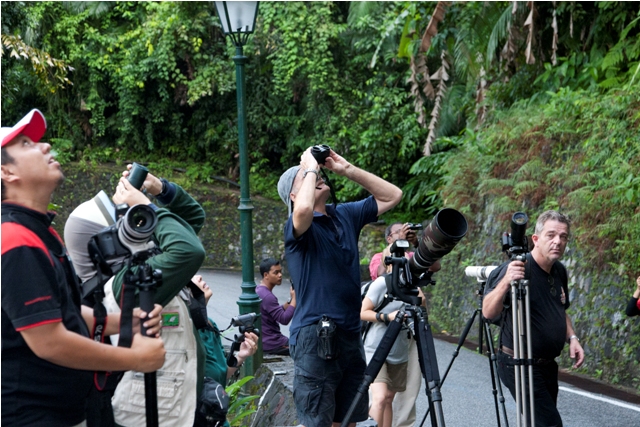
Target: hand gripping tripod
515, 245
481, 273
521, 324
423, 336
146, 280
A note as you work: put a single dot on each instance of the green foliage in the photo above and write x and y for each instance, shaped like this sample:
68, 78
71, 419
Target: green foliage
240, 407
154, 82
578, 152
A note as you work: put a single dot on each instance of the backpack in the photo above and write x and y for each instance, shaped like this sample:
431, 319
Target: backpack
364, 288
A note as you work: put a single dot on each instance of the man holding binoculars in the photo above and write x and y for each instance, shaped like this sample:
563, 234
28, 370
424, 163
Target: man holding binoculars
321, 247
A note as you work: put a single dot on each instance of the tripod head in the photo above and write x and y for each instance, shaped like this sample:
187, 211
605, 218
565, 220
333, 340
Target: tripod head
401, 286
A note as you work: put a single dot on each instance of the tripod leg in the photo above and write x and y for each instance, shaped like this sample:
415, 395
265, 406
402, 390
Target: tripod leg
525, 284
498, 397
374, 366
429, 367
515, 312
463, 337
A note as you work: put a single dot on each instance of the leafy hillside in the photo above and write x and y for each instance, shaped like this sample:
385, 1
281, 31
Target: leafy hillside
489, 107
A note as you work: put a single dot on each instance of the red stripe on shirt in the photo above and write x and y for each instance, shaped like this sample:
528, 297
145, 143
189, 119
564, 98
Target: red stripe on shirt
35, 300
15, 235
35, 325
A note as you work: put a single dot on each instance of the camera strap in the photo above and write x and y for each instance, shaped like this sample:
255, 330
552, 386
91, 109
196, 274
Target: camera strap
331, 188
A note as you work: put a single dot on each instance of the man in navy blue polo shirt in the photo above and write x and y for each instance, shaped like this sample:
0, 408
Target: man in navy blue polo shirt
321, 247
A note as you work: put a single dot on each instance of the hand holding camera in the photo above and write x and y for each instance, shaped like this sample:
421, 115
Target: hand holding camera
127, 193
140, 178
248, 347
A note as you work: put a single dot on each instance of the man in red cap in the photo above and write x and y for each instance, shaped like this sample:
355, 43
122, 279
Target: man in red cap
47, 355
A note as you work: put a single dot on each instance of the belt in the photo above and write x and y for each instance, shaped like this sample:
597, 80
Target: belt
508, 354
506, 350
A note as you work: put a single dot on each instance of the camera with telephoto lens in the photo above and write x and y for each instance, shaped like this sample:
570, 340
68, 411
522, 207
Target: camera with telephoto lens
438, 239
515, 244
481, 273
320, 153
132, 233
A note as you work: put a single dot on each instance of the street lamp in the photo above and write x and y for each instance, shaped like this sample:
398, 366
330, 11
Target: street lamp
238, 20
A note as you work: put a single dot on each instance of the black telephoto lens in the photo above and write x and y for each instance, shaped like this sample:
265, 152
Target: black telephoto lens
438, 239
519, 222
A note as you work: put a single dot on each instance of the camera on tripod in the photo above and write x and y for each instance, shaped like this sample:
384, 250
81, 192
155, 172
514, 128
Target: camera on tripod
438, 239
131, 236
481, 273
515, 244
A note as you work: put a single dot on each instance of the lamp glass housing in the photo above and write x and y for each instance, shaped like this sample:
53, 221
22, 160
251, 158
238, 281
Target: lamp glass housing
240, 16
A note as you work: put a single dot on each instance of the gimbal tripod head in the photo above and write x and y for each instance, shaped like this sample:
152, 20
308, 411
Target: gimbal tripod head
401, 286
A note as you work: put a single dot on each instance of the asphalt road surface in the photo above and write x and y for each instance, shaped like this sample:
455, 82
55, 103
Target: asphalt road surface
467, 392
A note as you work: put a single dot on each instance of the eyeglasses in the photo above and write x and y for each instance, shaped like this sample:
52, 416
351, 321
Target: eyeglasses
552, 287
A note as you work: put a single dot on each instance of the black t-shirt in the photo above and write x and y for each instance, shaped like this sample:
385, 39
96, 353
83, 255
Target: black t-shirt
36, 290
548, 298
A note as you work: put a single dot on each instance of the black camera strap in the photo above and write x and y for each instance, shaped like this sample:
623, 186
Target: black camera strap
331, 188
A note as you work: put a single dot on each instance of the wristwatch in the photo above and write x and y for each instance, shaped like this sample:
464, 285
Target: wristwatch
309, 171
572, 337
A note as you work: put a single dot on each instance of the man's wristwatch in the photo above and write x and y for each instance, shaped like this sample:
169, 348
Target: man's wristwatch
572, 337
309, 171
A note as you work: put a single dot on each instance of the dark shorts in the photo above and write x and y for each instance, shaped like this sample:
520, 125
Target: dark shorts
323, 390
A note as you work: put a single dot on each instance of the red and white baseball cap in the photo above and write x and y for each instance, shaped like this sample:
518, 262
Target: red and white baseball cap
32, 125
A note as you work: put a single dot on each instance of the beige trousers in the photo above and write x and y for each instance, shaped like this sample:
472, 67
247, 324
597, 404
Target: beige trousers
404, 404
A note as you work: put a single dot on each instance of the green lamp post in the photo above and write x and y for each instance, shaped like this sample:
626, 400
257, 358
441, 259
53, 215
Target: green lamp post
238, 19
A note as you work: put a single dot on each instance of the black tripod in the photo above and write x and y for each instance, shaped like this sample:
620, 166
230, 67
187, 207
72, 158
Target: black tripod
483, 332
146, 280
423, 336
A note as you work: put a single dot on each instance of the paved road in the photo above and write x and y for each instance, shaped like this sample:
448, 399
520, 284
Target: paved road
467, 398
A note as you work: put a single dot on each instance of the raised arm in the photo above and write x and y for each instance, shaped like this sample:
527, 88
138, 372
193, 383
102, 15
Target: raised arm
304, 198
386, 194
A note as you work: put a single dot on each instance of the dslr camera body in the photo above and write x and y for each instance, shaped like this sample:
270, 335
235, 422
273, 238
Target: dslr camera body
130, 236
